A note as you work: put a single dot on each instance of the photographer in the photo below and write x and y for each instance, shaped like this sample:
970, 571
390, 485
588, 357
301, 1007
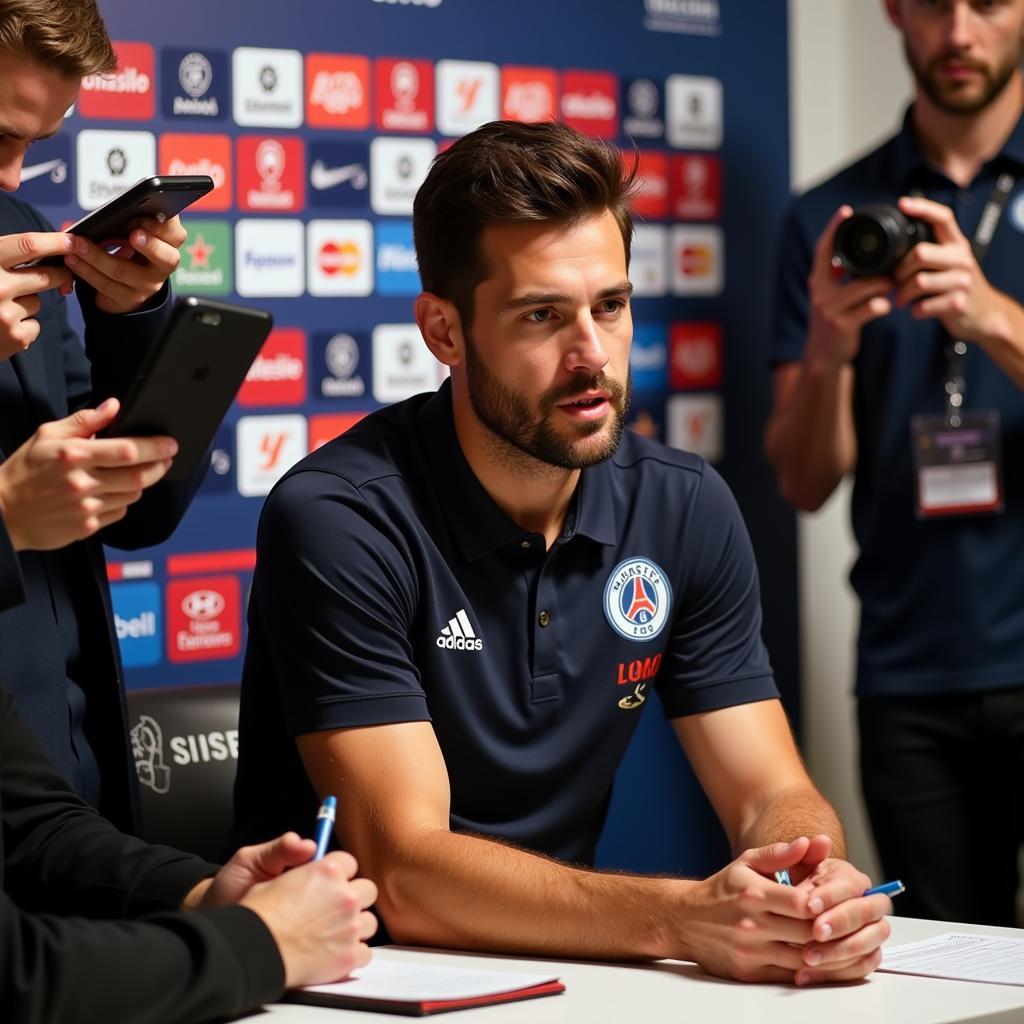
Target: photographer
911, 380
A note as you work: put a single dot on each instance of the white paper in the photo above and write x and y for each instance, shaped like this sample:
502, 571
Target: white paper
412, 982
964, 957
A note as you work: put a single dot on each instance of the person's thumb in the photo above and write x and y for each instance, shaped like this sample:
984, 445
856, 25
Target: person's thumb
766, 860
288, 851
85, 422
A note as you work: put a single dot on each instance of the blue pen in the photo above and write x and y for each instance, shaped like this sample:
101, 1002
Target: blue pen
886, 889
324, 825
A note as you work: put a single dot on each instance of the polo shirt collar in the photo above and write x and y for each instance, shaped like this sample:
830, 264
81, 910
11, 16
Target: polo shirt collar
479, 526
907, 160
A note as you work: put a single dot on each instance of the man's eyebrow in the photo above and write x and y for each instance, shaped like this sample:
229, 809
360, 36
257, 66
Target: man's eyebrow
554, 298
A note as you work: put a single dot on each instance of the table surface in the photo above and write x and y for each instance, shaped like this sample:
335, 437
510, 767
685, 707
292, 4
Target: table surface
681, 992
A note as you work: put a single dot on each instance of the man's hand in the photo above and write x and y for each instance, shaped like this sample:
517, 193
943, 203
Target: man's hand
318, 916
63, 484
942, 279
130, 279
838, 308
745, 925
19, 289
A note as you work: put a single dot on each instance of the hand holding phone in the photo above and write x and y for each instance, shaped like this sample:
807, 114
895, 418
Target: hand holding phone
20, 288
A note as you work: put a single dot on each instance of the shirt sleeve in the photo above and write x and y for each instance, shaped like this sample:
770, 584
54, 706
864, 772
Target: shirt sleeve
795, 257
715, 657
334, 597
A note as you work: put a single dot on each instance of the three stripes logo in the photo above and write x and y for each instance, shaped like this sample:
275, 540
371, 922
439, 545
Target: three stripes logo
458, 635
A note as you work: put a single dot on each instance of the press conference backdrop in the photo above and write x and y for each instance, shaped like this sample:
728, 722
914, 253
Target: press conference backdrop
317, 120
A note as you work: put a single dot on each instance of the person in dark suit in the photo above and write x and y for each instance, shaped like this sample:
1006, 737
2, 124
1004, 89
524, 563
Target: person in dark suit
182, 942
60, 649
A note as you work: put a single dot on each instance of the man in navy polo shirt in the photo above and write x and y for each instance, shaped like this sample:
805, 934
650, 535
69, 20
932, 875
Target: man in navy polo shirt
461, 606
912, 381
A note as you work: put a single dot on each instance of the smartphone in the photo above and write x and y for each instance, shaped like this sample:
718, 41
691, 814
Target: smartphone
190, 376
158, 198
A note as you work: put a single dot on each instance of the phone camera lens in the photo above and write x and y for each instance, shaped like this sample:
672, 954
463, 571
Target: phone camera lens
209, 318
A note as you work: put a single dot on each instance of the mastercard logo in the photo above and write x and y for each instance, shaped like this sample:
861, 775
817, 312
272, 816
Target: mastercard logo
345, 259
696, 261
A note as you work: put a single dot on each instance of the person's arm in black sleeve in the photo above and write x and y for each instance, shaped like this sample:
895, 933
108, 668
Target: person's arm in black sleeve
12, 586
171, 968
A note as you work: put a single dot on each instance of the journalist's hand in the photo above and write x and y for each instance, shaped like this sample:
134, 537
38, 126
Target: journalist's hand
63, 484
942, 279
318, 916
130, 279
19, 289
838, 308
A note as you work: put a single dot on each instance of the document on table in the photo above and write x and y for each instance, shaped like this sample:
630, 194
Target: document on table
961, 956
408, 987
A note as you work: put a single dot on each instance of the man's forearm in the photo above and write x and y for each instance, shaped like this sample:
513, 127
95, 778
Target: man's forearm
791, 813
469, 892
809, 439
1004, 340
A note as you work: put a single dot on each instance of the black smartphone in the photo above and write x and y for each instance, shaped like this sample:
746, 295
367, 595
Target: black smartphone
158, 198
186, 383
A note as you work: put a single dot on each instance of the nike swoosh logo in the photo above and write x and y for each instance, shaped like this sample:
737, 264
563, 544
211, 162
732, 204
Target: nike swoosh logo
322, 177
28, 173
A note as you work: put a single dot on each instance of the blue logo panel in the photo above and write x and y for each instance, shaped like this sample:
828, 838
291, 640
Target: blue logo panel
343, 366
648, 358
221, 476
339, 175
195, 84
46, 173
137, 620
397, 270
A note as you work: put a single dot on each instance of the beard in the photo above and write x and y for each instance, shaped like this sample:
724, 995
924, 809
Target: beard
526, 430
949, 100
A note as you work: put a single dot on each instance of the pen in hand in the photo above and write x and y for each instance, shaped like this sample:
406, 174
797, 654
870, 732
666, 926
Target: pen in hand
324, 825
885, 888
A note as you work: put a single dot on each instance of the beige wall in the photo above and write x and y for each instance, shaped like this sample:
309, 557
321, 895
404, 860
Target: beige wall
849, 89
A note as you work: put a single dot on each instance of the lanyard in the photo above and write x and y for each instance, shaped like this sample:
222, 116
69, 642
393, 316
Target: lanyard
956, 350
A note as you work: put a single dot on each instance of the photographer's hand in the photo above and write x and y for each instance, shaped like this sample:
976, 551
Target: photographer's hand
839, 308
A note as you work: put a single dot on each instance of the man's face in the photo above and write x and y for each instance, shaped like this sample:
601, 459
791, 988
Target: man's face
547, 359
33, 101
962, 52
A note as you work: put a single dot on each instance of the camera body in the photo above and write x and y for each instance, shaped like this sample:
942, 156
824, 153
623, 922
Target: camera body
872, 241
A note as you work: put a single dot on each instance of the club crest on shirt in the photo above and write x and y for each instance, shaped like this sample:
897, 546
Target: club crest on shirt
637, 599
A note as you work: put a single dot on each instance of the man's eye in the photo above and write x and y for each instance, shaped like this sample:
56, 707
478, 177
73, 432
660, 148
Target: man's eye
539, 316
612, 305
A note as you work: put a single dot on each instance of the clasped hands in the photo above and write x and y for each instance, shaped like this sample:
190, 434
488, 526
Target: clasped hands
749, 927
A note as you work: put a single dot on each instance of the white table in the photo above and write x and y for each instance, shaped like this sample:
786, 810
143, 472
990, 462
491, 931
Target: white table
671, 991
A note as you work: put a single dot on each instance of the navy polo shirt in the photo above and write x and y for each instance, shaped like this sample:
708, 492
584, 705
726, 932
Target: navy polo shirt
389, 587
942, 600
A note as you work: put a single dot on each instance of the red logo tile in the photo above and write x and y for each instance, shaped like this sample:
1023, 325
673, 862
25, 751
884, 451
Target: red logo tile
695, 359
200, 154
590, 102
404, 95
271, 174
529, 94
695, 187
204, 617
126, 95
278, 374
337, 91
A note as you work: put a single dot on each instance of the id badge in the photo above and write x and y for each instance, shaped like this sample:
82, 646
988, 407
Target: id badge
959, 469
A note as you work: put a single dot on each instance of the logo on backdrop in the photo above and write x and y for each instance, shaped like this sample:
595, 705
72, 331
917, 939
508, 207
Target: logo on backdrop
268, 446
397, 269
338, 173
111, 162
205, 267
695, 187
637, 599
327, 427
696, 356
221, 478
648, 266
148, 751
269, 257
137, 622
195, 84
695, 425
127, 94
693, 112
46, 173
200, 154
648, 357
402, 364
203, 618
337, 91
339, 257
697, 260
267, 87
278, 374
340, 355
590, 102
270, 174
689, 17
467, 95
529, 94
405, 95
642, 117
397, 169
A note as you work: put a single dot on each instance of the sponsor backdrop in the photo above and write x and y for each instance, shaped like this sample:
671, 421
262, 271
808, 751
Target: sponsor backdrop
317, 121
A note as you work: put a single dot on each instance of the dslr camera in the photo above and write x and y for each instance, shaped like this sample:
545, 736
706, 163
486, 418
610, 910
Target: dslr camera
872, 241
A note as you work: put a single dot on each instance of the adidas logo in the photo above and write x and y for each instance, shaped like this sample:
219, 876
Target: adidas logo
458, 635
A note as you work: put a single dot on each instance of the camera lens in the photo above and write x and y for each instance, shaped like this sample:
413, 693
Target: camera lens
875, 239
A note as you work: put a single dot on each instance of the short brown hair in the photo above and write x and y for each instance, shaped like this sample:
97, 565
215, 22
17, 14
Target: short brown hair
66, 36
510, 173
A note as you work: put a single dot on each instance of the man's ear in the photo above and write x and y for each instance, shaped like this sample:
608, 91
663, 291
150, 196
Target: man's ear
892, 9
441, 327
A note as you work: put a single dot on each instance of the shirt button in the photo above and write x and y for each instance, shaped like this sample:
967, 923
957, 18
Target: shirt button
525, 545
966, 198
543, 618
